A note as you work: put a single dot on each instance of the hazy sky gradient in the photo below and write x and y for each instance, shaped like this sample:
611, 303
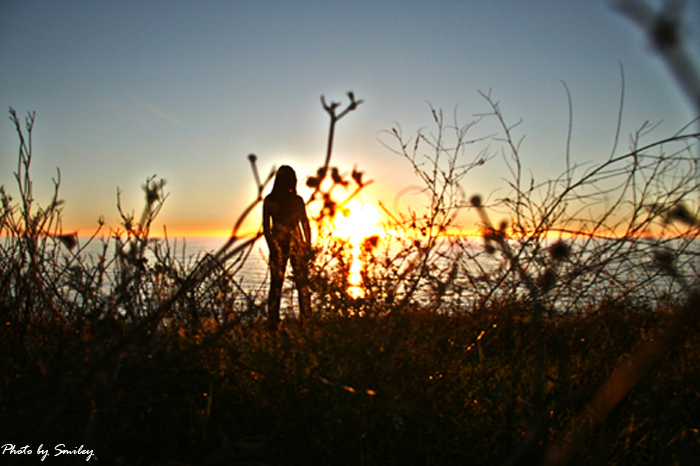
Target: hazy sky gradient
186, 90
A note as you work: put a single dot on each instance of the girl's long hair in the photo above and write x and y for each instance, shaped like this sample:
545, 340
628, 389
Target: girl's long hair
285, 181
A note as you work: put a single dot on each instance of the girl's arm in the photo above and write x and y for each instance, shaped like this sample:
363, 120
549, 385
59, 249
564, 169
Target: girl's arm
267, 219
306, 229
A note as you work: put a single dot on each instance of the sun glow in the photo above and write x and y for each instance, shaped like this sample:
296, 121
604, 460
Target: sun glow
354, 223
357, 221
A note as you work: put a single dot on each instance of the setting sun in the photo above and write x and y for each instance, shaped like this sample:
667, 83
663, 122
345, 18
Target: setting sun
354, 223
357, 221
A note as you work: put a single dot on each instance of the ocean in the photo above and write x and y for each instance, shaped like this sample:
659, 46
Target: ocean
187, 250
594, 269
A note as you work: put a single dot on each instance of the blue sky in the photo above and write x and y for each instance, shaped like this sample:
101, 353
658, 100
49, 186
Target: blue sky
187, 89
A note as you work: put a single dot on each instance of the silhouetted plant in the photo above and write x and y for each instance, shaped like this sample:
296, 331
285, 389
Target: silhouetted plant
425, 263
665, 30
332, 190
88, 325
609, 218
619, 232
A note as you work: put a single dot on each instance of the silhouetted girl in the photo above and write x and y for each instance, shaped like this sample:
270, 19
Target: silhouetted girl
288, 236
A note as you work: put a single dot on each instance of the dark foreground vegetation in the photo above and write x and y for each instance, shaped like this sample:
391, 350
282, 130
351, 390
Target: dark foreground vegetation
524, 348
407, 388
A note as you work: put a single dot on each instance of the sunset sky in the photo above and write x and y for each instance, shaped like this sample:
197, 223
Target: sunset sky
185, 90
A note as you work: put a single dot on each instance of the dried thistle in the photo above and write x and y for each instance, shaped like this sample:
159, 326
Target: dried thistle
370, 243
357, 177
680, 213
69, 241
559, 251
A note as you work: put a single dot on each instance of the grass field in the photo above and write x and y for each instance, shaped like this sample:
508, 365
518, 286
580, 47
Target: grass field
406, 388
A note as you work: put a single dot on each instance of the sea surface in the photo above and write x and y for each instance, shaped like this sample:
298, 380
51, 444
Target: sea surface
625, 267
187, 250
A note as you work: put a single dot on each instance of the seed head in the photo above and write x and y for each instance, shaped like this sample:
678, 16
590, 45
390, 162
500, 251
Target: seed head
548, 279
370, 243
664, 260
681, 213
666, 33
357, 176
559, 250
69, 241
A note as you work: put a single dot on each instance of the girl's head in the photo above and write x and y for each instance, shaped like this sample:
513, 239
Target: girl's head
285, 180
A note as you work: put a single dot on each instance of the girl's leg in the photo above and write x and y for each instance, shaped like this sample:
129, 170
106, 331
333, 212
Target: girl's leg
300, 266
278, 264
